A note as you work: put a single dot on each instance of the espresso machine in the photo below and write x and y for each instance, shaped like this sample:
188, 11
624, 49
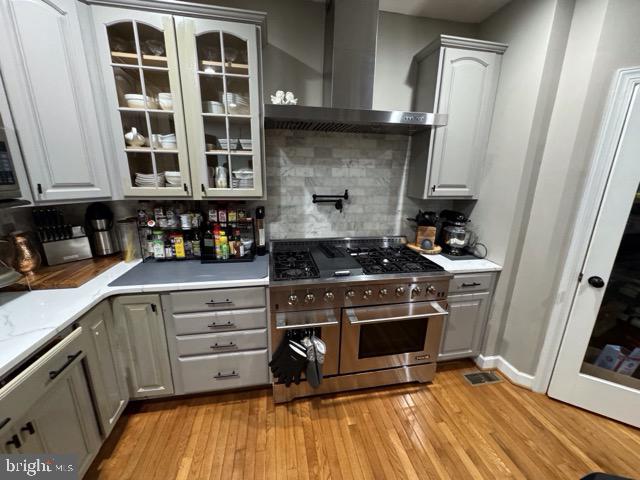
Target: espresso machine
100, 229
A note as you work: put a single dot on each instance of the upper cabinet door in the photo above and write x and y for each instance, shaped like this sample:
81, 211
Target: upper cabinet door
140, 68
468, 83
219, 67
46, 77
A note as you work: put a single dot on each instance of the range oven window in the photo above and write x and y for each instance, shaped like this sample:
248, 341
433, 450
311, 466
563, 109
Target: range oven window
392, 338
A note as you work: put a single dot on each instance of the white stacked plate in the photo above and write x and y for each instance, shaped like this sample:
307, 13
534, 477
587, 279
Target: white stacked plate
149, 180
174, 179
242, 183
246, 143
211, 106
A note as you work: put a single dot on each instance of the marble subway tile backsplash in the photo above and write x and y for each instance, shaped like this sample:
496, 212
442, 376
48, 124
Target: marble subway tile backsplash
371, 166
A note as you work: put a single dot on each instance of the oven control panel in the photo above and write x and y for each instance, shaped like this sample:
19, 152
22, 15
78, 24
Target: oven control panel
310, 297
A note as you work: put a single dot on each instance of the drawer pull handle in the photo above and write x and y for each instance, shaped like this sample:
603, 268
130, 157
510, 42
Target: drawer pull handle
230, 346
70, 358
474, 284
223, 376
15, 441
28, 428
222, 325
213, 303
5, 422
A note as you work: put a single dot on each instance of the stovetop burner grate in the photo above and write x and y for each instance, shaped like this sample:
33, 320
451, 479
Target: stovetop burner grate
294, 264
379, 260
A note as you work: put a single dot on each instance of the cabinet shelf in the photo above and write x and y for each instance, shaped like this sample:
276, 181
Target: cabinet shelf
132, 66
222, 115
220, 74
151, 58
149, 150
214, 63
142, 110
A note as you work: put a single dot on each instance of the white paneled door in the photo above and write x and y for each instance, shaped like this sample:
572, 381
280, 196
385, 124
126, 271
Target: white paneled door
598, 366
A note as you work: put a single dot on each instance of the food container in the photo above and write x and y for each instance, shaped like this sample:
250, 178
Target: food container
129, 239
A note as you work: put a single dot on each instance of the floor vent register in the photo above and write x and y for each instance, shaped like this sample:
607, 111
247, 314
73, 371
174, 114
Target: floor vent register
482, 378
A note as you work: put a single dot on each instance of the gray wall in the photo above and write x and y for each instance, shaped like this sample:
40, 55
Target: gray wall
293, 56
524, 99
604, 37
400, 37
372, 167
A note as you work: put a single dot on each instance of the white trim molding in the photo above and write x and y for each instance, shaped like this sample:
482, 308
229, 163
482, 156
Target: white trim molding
512, 373
623, 86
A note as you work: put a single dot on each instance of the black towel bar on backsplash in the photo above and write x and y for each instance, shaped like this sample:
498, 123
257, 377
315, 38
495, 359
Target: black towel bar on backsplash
335, 199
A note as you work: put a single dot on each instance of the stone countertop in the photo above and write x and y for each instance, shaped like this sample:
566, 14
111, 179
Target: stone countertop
476, 265
29, 320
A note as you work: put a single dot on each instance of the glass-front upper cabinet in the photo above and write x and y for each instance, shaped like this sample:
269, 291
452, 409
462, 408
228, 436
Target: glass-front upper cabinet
140, 66
221, 80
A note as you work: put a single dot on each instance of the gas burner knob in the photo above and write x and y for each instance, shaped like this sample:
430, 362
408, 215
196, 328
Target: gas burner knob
367, 293
328, 296
416, 292
350, 294
309, 298
383, 292
431, 289
400, 291
293, 299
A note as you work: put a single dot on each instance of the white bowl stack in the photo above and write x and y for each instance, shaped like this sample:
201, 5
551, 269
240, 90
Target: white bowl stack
174, 179
242, 178
236, 103
149, 179
135, 100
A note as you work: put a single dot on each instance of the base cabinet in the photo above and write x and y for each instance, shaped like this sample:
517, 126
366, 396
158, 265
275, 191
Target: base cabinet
104, 366
144, 341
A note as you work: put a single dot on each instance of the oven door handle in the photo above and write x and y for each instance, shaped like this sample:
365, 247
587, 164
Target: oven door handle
281, 323
438, 311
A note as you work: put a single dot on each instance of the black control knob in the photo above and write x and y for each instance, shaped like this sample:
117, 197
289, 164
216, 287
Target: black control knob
400, 291
416, 292
328, 296
350, 294
596, 282
309, 298
383, 292
367, 293
293, 299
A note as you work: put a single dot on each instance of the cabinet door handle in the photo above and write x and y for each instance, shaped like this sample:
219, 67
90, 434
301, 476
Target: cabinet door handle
222, 325
186, 189
204, 190
213, 303
28, 428
474, 284
223, 376
230, 346
15, 441
4, 422
70, 358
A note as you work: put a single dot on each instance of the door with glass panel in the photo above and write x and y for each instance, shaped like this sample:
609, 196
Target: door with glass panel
221, 79
140, 67
598, 366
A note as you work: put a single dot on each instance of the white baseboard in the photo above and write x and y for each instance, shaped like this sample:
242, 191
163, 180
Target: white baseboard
508, 370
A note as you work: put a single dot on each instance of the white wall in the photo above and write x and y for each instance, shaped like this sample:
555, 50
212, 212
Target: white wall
524, 99
604, 37
400, 37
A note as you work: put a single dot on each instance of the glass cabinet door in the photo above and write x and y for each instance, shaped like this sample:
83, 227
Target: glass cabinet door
219, 70
140, 66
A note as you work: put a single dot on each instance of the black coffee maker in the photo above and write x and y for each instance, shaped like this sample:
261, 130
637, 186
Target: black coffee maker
453, 235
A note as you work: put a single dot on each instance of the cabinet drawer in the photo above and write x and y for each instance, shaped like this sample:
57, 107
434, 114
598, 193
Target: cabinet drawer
219, 372
222, 299
473, 282
221, 342
31, 384
213, 322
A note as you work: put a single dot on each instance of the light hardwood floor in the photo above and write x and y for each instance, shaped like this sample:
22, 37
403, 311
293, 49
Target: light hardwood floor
444, 430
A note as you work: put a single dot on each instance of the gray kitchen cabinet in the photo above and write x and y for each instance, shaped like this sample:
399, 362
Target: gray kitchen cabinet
47, 81
457, 77
141, 333
63, 420
104, 366
469, 299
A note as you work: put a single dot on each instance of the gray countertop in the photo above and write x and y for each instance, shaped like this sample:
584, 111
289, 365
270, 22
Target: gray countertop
188, 271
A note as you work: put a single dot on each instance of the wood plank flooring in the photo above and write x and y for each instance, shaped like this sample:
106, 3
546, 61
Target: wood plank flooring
447, 430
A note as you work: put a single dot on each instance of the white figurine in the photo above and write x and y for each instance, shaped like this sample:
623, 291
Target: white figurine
278, 98
290, 99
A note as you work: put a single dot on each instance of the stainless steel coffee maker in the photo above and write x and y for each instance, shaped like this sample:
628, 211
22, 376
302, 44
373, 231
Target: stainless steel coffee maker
99, 227
453, 232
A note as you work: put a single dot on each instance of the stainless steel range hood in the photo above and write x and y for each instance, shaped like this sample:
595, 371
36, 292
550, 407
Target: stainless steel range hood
351, 31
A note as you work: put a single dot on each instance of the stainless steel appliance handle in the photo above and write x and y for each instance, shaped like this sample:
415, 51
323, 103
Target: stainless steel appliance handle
438, 311
306, 325
282, 324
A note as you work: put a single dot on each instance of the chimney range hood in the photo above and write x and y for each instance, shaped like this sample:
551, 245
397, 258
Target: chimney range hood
351, 30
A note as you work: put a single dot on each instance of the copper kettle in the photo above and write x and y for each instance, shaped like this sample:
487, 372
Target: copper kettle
26, 258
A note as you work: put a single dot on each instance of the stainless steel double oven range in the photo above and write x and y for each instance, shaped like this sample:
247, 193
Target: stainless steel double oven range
379, 307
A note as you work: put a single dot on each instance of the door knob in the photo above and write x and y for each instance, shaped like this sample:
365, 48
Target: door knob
596, 282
